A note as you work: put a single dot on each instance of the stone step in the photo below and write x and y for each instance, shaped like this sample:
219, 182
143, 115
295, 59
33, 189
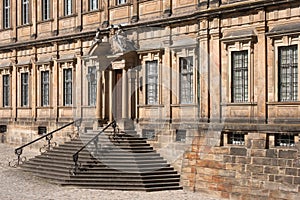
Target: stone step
122, 161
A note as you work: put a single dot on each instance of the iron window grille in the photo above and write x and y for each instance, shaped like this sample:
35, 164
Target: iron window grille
236, 138
6, 13
152, 82
24, 89
93, 5
288, 73
149, 134
6, 90
25, 12
186, 80
239, 73
68, 7
285, 140
46, 9
180, 135
45, 88
67, 87
92, 86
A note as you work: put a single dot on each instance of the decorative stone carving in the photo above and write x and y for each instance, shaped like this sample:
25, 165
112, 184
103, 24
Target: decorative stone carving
120, 43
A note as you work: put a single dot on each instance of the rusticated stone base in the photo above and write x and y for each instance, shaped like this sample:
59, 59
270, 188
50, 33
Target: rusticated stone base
252, 171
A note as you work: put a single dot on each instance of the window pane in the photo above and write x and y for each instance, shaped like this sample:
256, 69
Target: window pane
6, 90
93, 4
186, 79
67, 86
151, 82
288, 73
46, 9
68, 7
121, 2
25, 11
6, 14
45, 88
239, 80
24, 89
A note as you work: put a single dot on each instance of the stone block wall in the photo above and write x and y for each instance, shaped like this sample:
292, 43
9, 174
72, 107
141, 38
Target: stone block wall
255, 170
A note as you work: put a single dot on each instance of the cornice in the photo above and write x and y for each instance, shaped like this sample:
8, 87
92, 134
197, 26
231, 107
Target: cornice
162, 22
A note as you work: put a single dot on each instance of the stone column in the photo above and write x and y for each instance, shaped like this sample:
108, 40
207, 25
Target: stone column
99, 95
110, 88
124, 95
125, 123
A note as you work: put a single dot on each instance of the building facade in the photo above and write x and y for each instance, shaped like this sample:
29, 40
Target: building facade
173, 70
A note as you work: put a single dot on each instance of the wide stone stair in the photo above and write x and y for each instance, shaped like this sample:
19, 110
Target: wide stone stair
121, 161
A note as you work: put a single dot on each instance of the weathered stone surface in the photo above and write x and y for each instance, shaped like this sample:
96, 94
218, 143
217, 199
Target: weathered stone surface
238, 151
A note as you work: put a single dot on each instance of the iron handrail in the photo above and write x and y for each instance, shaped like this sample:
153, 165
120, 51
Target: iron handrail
48, 136
95, 140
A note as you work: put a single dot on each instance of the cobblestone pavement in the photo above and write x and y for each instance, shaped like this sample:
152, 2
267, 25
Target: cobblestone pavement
16, 185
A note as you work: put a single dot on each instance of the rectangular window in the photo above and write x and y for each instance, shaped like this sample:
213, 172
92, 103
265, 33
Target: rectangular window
25, 12
6, 14
45, 88
93, 5
236, 138
239, 88
68, 7
186, 79
46, 9
121, 2
180, 135
92, 86
24, 89
152, 82
67, 87
285, 139
6, 90
288, 73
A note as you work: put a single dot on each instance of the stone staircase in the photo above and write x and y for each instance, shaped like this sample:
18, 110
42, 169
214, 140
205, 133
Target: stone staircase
122, 161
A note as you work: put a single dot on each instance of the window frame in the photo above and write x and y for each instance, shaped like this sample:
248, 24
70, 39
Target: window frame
67, 87
93, 5
46, 10
121, 2
190, 73
243, 69
288, 96
25, 12
24, 89
155, 83
6, 14
68, 7
45, 94
6, 86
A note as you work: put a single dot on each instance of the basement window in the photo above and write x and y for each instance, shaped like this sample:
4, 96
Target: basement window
285, 140
42, 130
236, 138
149, 134
180, 135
